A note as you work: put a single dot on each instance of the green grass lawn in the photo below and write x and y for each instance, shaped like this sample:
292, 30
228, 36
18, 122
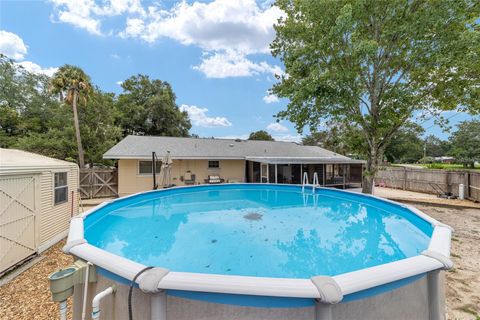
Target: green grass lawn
448, 166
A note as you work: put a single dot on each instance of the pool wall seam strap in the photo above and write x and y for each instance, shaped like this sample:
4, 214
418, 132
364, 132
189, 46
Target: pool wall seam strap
434, 258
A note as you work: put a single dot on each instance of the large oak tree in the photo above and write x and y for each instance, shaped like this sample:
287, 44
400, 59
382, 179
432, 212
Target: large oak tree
147, 107
372, 65
260, 135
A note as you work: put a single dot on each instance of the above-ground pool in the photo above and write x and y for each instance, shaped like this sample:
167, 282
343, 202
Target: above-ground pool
263, 245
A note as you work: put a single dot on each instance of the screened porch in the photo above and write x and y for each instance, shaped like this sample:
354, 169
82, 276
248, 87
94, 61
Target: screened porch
290, 171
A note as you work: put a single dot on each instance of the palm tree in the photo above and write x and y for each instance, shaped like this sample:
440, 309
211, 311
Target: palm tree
70, 82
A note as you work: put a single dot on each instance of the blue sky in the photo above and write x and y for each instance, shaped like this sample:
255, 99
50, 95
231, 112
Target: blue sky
215, 54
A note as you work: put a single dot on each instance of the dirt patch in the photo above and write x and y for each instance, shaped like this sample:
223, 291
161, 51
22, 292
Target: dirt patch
463, 281
417, 198
28, 295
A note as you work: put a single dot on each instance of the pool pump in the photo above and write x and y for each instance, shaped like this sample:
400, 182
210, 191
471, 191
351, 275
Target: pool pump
62, 282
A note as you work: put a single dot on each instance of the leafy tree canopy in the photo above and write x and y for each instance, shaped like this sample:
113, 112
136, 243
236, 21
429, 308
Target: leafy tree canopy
260, 135
466, 142
345, 140
435, 147
373, 64
406, 145
33, 118
148, 107
26, 105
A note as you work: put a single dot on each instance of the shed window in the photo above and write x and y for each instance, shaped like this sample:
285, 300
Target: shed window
61, 188
145, 167
213, 164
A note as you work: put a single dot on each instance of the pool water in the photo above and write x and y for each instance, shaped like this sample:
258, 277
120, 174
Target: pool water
257, 230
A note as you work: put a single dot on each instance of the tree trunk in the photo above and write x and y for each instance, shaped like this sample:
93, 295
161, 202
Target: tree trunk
371, 170
81, 158
368, 180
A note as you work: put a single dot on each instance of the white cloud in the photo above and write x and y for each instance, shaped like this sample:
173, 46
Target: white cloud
233, 64
233, 137
218, 25
288, 137
277, 127
135, 27
241, 25
115, 56
281, 137
270, 98
12, 45
119, 83
199, 117
35, 68
228, 31
77, 13
87, 14
119, 7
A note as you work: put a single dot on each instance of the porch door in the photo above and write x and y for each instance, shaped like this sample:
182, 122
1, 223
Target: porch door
264, 173
18, 206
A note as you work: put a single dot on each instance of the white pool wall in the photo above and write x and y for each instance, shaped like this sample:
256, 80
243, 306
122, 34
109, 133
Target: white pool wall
410, 301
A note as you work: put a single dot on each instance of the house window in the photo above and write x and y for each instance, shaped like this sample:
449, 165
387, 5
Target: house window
145, 167
213, 164
61, 188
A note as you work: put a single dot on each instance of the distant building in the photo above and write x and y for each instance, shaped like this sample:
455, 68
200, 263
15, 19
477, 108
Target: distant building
445, 159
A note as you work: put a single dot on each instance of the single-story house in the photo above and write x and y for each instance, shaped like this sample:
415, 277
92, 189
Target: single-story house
38, 196
445, 159
208, 160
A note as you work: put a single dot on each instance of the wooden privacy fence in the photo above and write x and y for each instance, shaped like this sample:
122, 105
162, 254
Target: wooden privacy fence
98, 183
430, 180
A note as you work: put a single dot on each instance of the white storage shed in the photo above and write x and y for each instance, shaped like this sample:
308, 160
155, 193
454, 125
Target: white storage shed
38, 196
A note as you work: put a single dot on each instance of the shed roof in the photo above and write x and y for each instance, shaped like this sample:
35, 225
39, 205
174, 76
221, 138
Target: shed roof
141, 147
12, 159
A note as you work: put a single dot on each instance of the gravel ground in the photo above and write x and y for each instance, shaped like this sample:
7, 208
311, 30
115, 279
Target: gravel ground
28, 295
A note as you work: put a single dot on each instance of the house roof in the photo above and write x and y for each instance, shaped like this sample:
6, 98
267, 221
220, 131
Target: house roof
13, 159
141, 147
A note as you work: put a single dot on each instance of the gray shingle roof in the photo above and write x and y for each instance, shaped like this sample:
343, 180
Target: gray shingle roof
141, 147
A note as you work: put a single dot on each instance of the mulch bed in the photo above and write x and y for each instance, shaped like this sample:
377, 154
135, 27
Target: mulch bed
28, 295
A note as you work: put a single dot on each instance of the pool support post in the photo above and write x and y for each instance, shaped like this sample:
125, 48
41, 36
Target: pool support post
149, 283
436, 296
323, 311
330, 293
158, 306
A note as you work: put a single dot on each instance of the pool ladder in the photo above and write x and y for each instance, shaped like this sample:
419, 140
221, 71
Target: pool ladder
313, 185
314, 182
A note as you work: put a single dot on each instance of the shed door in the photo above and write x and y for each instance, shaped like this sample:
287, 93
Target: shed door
17, 219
